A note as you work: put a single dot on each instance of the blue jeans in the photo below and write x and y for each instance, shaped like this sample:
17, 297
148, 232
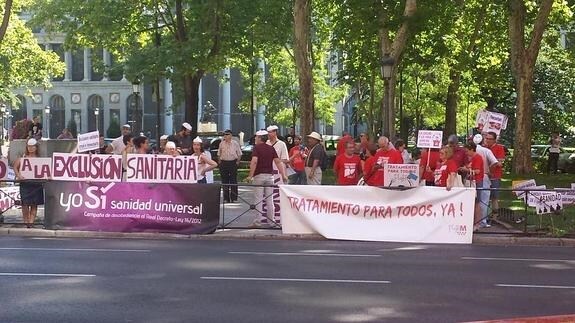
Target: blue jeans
298, 178
484, 199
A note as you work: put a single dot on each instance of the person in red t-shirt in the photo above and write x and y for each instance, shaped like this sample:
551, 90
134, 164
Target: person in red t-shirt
385, 155
427, 164
459, 154
341, 144
297, 155
476, 171
369, 169
496, 171
347, 167
447, 168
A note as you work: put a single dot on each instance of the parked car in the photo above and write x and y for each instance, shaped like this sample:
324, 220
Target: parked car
566, 163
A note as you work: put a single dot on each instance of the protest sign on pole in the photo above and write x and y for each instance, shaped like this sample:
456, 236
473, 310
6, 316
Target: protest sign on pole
429, 138
550, 202
88, 141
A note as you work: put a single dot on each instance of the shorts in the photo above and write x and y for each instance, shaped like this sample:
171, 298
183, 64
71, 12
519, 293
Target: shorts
496, 184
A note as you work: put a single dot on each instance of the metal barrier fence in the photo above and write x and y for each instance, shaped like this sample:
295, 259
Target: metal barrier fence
248, 206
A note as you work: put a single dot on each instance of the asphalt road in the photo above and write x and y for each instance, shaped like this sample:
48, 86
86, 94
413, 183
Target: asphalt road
91, 280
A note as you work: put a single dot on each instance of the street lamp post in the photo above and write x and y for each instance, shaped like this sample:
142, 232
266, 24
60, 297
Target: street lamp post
138, 124
97, 115
387, 72
47, 117
3, 112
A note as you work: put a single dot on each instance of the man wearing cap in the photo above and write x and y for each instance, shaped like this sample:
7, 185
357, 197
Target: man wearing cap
229, 156
314, 158
261, 173
183, 139
117, 146
489, 160
163, 141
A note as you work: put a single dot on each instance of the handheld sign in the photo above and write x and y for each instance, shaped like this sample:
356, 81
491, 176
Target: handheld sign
429, 138
401, 175
88, 141
36, 168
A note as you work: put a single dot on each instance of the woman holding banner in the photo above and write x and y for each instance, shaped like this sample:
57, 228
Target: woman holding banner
446, 172
31, 193
205, 163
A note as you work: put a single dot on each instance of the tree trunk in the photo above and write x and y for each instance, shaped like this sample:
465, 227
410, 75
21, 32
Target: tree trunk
5, 19
523, 59
191, 93
302, 54
451, 103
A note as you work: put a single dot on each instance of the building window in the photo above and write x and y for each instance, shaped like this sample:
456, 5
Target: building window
57, 115
78, 65
97, 64
116, 72
59, 50
95, 102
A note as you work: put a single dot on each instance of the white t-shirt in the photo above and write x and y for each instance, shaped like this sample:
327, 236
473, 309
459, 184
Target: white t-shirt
118, 145
487, 156
281, 149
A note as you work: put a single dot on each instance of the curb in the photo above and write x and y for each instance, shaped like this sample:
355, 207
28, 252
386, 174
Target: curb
499, 240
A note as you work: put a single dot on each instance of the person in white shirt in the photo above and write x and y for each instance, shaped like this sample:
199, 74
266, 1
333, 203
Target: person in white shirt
117, 146
489, 160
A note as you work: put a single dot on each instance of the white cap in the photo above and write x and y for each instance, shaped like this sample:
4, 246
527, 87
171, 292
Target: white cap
477, 139
32, 142
198, 140
187, 126
171, 144
315, 135
272, 128
164, 137
262, 133
126, 126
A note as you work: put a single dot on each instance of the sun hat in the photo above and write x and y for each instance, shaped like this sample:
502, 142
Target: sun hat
477, 139
171, 144
272, 128
262, 133
187, 126
164, 137
315, 136
32, 142
198, 140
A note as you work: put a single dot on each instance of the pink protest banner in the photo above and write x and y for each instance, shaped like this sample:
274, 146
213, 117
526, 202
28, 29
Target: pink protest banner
36, 168
161, 169
4, 169
86, 167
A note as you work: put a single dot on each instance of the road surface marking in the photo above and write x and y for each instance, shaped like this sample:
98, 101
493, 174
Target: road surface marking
46, 275
77, 249
519, 259
300, 254
353, 281
536, 286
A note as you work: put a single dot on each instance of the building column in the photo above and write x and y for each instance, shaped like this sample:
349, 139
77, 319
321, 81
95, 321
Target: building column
261, 112
68, 62
225, 101
168, 101
107, 58
87, 65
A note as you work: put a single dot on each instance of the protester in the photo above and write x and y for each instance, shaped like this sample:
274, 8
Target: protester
118, 146
369, 169
279, 146
363, 145
141, 145
261, 174
446, 172
229, 156
385, 155
427, 165
554, 151
290, 139
341, 144
35, 130
183, 139
205, 163
162, 146
489, 161
171, 149
31, 193
297, 155
103, 147
459, 154
475, 171
347, 167
402, 148
65, 134
314, 158
496, 172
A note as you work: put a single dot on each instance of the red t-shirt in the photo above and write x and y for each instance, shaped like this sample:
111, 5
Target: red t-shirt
499, 152
443, 170
383, 157
298, 162
368, 171
477, 165
433, 161
459, 156
347, 169
265, 154
342, 143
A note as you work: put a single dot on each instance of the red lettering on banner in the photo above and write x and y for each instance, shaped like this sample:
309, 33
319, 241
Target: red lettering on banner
3, 169
448, 209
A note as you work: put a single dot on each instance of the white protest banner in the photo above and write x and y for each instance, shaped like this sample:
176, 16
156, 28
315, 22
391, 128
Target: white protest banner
573, 185
534, 195
36, 168
8, 197
522, 185
4, 169
549, 203
421, 214
88, 141
161, 169
400, 175
568, 197
429, 138
87, 167
487, 121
